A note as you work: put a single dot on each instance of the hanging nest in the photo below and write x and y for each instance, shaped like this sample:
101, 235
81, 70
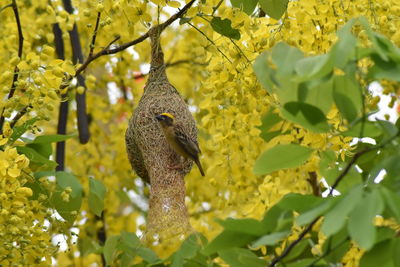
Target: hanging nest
150, 154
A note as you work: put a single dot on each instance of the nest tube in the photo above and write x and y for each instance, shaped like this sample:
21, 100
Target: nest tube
151, 156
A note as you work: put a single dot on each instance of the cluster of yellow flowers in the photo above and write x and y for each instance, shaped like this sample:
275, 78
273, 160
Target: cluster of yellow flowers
24, 236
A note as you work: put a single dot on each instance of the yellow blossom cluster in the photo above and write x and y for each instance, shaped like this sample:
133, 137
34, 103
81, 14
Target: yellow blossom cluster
24, 237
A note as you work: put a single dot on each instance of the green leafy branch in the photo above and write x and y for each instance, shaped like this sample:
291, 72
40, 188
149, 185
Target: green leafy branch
346, 170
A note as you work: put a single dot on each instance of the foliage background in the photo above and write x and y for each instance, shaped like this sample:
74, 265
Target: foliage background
212, 69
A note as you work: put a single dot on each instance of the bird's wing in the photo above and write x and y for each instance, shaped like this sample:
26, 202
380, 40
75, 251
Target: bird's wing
191, 147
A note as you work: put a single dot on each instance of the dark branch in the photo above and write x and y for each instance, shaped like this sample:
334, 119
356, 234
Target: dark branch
63, 108
313, 180
20, 35
294, 243
77, 57
96, 28
4, 7
19, 115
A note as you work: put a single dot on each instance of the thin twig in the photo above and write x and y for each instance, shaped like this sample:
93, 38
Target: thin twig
217, 6
240, 51
16, 70
211, 41
4, 7
19, 115
96, 28
328, 251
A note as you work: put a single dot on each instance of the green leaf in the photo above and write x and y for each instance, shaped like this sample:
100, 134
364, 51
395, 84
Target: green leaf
371, 129
87, 246
270, 239
336, 246
53, 138
66, 179
246, 226
353, 177
129, 241
97, 193
247, 6
239, 257
277, 218
64, 208
302, 263
314, 67
347, 96
285, 57
110, 248
148, 255
389, 129
298, 202
308, 116
310, 215
318, 93
391, 164
188, 250
384, 233
20, 130
345, 49
396, 252
281, 157
227, 239
298, 250
223, 27
360, 226
263, 72
184, 20
380, 255
373, 38
384, 70
267, 136
269, 120
335, 219
43, 149
36, 158
392, 201
274, 8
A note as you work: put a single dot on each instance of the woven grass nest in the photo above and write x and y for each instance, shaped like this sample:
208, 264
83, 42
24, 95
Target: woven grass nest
151, 156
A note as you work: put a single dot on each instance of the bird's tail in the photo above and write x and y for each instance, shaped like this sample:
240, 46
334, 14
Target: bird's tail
197, 161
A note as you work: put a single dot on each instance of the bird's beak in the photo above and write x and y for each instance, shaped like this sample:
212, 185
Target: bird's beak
159, 118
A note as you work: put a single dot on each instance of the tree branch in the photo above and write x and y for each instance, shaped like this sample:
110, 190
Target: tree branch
77, 57
19, 115
96, 28
63, 108
313, 180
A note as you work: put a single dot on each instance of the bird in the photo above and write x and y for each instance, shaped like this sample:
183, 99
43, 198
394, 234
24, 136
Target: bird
180, 142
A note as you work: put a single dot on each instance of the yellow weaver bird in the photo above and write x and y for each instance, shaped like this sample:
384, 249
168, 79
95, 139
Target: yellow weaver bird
180, 142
